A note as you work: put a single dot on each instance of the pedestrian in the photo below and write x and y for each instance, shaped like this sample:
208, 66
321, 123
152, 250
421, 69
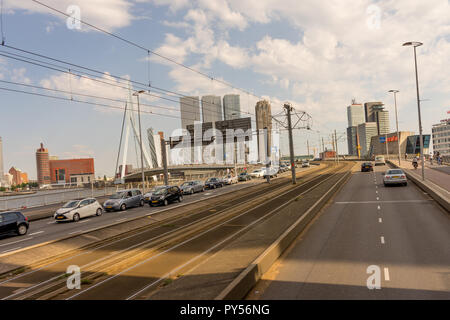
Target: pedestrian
406, 156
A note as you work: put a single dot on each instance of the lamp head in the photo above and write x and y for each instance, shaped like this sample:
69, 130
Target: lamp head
413, 43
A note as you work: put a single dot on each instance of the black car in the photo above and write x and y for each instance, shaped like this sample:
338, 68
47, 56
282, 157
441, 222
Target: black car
366, 166
13, 222
244, 176
213, 183
166, 195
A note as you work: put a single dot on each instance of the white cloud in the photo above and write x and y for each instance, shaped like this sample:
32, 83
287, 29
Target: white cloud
107, 14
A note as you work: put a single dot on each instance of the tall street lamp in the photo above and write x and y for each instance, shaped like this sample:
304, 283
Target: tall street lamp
136, 93
418, 44
396, 122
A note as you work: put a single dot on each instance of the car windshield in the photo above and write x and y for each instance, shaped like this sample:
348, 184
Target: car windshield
211, 180
160, 192
395, 171
379, 158
71, 204
118, 195
187, 184
257, 171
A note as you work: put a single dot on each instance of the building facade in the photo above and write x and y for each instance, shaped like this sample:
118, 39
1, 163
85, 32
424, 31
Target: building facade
366, 131
369, 110
378, 144
2, 173
355, 114
231, 107
211, 108
382, 120
18, 177
190, 110
352, 140
413, 144
43, 166
441, 137
263, 114
70, 171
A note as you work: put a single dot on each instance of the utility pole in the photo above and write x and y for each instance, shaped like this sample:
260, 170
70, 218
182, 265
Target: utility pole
323, 146
266, 136
164, 160
307, 144
291, 142
335, 139
387, 147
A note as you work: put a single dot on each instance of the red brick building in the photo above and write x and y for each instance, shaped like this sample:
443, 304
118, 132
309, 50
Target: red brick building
75, 171
18, 177
72, 170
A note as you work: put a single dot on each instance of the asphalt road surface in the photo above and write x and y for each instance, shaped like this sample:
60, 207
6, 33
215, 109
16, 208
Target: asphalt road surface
399, 231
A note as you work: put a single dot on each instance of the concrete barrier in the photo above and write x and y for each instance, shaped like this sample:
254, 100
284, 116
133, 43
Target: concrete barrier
437, 193
248, 278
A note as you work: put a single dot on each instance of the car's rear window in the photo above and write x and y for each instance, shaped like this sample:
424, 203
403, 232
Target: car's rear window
394, 172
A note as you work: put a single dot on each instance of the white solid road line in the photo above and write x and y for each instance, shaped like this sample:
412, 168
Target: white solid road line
7, 244
385, 201
386, 274
76, 232
382, 239
38, 232
84, 221
122, 219
11, 249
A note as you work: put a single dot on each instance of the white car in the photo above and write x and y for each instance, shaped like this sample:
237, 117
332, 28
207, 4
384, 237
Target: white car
394, 176
74, 210
229, 179
305, 164
379, 160
271, 171
258, 173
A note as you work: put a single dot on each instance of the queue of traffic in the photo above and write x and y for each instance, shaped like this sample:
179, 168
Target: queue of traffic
74, 210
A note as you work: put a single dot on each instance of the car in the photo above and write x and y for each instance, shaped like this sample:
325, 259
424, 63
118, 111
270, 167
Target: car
149, 194
124, 199
213, 183
366, 166
166, 195
395, 176
190, 187
257, 173
244, 176
230, 179
305, 164
13, 221
283, 167
271, 172
74, 210
379, 160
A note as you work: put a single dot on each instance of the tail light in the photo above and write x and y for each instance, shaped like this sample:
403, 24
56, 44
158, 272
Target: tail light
403, 176
26, 219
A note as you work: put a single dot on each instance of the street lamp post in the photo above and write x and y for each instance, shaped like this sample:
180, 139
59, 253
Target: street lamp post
396, 122
418, 44
140, 140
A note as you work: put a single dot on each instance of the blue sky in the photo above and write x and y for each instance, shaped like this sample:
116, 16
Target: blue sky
316, 55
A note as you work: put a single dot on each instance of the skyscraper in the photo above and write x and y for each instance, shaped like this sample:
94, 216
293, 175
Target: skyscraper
355, 114
369, 109
366, 131
190, 110
382, 120
2, 173
231, 106
263, 120
43, 166
211, 108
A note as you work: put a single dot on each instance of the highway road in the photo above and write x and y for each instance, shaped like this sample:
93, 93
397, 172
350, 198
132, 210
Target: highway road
48, 229
399, 231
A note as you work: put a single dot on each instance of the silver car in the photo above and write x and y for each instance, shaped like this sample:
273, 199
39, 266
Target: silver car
190, 187
124, 199
394, 176
74, 210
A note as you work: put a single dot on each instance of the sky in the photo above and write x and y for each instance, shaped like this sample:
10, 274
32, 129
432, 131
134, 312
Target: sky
317, 55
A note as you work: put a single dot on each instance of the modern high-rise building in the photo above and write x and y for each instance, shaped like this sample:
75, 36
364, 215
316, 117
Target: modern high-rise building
352, 140
231, 107
190, 110
366, 131
2, 173
441, 137
211, 108
382, 120
355, 114
263, 120
369, 110
43, 166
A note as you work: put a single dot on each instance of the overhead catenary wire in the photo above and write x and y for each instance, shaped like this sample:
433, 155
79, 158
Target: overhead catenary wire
141, 47
82, 74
